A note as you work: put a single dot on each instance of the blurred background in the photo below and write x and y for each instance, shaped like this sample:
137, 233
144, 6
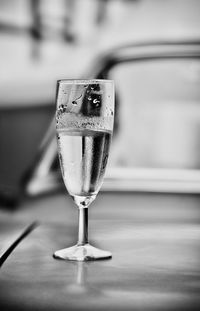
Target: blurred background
156, 142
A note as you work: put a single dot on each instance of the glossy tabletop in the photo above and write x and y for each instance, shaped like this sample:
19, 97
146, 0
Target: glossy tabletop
154, 239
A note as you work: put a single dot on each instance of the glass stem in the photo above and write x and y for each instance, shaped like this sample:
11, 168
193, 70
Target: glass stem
83, 226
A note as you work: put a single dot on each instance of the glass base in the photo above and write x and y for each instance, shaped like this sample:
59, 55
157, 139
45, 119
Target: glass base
85, 252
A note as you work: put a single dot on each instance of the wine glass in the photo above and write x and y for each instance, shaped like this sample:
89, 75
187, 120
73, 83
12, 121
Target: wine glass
84, 125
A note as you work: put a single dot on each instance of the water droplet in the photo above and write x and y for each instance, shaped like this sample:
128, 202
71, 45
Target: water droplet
96, 102
74, 102
79, 97
89, 98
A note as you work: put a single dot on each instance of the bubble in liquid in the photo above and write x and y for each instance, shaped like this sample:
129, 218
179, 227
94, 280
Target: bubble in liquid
72, 164
105, 161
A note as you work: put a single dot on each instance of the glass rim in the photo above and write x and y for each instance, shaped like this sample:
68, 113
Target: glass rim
84, 81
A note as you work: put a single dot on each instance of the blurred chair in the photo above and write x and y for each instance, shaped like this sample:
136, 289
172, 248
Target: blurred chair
157, 125
21, 130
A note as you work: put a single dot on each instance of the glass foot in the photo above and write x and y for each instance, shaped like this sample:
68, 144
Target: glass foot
85, 252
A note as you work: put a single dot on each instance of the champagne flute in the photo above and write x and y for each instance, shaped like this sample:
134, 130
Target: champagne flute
84, 125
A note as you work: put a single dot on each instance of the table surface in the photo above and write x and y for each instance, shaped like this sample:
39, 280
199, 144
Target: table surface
154, 239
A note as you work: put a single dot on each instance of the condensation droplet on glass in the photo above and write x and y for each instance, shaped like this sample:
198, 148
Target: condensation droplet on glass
74, 102
79, 97
96, 102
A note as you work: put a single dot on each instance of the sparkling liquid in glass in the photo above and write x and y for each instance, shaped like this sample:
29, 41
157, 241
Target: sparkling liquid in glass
83, 157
